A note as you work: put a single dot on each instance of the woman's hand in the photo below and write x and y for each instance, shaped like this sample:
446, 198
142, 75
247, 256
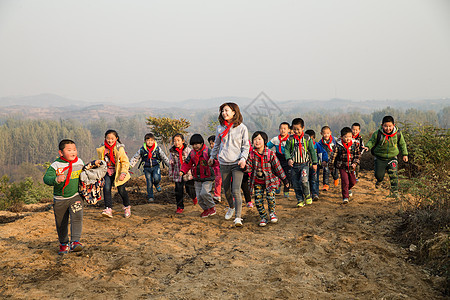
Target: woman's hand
242, 163
122, 176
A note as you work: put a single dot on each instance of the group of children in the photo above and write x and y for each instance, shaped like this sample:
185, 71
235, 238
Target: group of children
231, 162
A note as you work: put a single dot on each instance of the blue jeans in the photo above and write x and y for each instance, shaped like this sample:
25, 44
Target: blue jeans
326, 175
153, 177
109, 180
314, 181
300, 176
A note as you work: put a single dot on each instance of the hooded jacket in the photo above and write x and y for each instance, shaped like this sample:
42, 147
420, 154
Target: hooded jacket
389, 146
122, 163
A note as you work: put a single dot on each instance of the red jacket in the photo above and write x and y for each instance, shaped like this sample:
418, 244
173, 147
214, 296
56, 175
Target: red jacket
197, 162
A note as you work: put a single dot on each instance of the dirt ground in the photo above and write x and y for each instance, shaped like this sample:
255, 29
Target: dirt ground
323, 251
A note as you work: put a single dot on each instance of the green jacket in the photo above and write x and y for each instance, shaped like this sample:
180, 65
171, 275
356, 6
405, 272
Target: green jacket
72, 188
388, 147
308, 152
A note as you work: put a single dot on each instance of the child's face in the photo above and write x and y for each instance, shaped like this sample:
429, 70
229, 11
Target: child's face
227, 113
111, 139
197, 147
284, 130
149, 142
258, 143
356, 130
388, 127
178, 142
69, 152
347, 137
326, 133
211, 144
297, 129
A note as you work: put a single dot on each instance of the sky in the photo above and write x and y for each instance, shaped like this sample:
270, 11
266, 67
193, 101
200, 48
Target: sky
127, 51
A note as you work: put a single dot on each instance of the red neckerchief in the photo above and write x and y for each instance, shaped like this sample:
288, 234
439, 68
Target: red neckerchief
282, 140
347, 147
150, 151
329, 143
355, 137
69, 173
199, 152
387, 136
180, 153
111, 151
227, 129
261, 156
300, 143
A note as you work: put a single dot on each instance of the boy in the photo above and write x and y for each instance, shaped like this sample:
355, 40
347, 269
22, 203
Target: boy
299, 152
328, 142
356, 129
151, 156
217, 176
279, 143
322, 157
345, 157
385, 144
64, 175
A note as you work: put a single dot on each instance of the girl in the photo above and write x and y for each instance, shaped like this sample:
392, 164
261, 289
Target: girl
178, 154
231, 147
113, 152
263, 165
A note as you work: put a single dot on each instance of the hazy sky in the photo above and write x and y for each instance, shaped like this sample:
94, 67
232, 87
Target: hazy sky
129, 51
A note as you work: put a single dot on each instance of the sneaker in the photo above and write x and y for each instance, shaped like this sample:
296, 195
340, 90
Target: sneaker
212, 211
326, 187
309, 200
107, 212
277, 191
76, 246
238, 222
273, 218
179, 210
357, 179
127, 211
378, 184
336, 182
250, 205
205, 213
316, 198
263, 222
195, 201
150, 200
63, 249
217, 198
350, 193
286, 194
345, 201
158, 188
229, 213
301, 204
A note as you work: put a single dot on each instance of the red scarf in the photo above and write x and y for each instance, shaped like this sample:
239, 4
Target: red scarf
180, 153
150, 151
347, 147
199, 153
69, 173
299, 139
227, 129
111, 151
355, 137
282, 140
329, 143
387, 136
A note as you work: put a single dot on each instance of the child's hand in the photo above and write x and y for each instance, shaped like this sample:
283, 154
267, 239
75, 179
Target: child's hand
405, 158
211, 161
122, 176
181, 174
365, 148
314, 168
287, 185
60, 178
290, 163
98, 163
242, 163
354, 166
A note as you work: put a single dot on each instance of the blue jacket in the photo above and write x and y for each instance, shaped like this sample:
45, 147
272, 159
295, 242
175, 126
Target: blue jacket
322, 154
143, 155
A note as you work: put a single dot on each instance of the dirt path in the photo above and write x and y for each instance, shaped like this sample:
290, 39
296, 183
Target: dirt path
323, 251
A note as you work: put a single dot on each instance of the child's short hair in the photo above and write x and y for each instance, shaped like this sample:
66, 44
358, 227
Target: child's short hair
211, 138
237, 119
149, 136
262, 134
65, 142
311, 133
112, 131
196, 139
284, 123
356, 125
298, 121
325, 127
178, 135
387, 119
345, 130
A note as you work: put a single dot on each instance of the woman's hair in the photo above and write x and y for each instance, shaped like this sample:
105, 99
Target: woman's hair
262, 134
237, 119
109, 131
178, 135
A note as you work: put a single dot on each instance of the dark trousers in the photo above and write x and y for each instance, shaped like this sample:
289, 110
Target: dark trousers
64, 209
391, 166
300, 176
314, 181
286, 168
348, 180
326, 175
107, 192
245, 186
179, 191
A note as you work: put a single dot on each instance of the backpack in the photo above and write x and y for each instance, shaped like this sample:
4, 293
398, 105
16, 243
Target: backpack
379, 138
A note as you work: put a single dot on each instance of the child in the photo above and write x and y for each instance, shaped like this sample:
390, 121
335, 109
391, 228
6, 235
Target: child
263, 165
300, 153
345, 157
151, 156
385, 144
231, 147
113, 152
322, 156
356, 129
328, 142
279, 143
197, 163
178, 154
64, 175
217, 177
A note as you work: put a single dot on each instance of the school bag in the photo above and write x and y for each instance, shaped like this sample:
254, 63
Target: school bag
92, 181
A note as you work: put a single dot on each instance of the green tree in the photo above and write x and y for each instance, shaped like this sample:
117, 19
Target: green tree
164, 128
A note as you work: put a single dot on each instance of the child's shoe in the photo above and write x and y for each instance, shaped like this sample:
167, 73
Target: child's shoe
217, 198
195, 201
229, 214
158, 188
336, 182
76, 246
277, 191
107, 212
127, 211
205, 213
63, 249
250, 204
316, 198
150, 200
273, 218
179, 210
212, 211
263, 222
238, 222
345, 201
350, 193
326, 187
286, 194
309, 200
300, 204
